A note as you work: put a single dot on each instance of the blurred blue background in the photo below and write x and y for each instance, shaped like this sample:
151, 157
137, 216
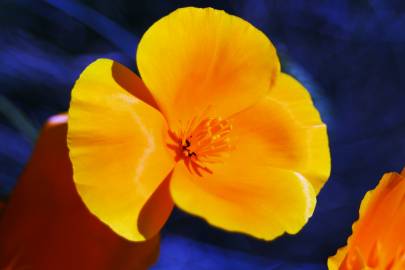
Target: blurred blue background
349, 54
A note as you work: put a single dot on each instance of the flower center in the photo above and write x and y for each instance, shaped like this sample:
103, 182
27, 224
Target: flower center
203, 144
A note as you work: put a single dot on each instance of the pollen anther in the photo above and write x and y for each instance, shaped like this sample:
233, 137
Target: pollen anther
205, 143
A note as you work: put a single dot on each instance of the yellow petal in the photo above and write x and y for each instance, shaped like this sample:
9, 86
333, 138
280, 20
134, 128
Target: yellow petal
257, 200
279, 159
117, 148
284, 130
204, 61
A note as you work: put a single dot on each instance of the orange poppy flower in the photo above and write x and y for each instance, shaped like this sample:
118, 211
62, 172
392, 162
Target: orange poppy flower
213, 124
378, 239
45, 225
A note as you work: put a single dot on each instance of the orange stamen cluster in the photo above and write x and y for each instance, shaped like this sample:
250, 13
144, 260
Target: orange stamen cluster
204, 143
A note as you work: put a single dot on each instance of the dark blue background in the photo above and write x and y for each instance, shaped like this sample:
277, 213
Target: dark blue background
349, 54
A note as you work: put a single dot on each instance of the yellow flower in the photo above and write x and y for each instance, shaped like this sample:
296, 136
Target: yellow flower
378, 239
213, 126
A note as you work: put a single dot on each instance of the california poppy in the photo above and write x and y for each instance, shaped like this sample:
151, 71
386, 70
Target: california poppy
212, 123
378, 238
45, 225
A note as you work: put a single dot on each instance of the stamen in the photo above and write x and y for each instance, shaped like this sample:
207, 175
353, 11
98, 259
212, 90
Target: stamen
204, 143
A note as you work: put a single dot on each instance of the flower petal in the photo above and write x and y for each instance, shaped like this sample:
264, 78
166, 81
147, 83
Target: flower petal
257, 200
382, 219
284, 130
279, 143
117, 148
204, 61
378, 236
335, 261
46, 225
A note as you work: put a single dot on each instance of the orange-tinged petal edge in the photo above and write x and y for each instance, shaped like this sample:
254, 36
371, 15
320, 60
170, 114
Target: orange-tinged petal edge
378, 238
